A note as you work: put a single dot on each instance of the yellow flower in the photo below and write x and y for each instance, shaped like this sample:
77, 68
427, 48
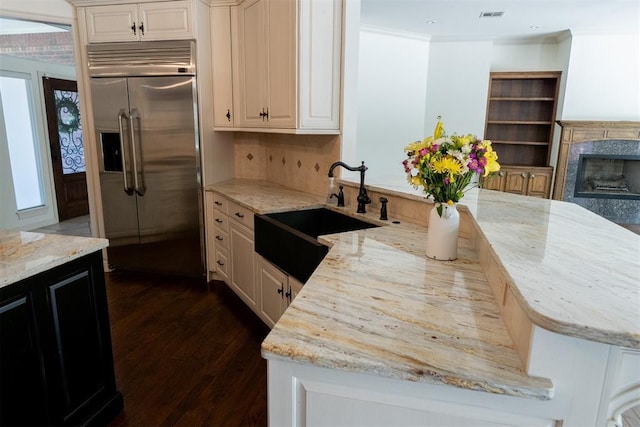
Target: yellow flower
416, 146
448, 165
450, 202
492, 162
415, 180
439, 129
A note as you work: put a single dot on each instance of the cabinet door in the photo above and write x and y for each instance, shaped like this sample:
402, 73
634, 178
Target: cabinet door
117, 23
539, 184
23, 386
251, 62
294, 288
223, 114
273, 285
242, 263
81, 337
494, 182
281, 60
516, 182
165, 20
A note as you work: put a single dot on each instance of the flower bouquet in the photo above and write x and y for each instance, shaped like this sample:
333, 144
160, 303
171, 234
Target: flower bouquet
444, 166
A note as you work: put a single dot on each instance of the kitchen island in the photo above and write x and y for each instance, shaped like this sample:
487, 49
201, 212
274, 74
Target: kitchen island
535, 323
56, 360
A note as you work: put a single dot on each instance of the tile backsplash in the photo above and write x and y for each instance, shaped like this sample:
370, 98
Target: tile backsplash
296, 161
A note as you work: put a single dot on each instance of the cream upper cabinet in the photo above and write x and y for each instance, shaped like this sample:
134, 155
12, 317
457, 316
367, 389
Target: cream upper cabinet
223, 111
285, 68
266, 63
167, 20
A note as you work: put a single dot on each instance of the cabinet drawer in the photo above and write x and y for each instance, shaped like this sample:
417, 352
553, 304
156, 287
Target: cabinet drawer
220, 222
220, 203
221, 239
222, 262
241, 214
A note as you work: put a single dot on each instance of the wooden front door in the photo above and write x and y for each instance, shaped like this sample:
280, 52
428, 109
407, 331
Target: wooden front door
67, 148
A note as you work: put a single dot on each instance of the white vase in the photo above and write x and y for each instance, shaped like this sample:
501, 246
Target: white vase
442, 234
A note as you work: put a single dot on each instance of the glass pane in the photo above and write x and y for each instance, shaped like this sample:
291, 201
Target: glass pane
19, 125
69, 131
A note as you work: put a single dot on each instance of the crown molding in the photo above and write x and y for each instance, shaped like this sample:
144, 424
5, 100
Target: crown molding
394, 32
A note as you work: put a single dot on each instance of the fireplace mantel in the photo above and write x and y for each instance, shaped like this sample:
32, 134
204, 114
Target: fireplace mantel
578, 131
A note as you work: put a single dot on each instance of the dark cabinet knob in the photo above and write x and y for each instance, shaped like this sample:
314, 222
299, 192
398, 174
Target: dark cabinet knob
141, 28
133, 28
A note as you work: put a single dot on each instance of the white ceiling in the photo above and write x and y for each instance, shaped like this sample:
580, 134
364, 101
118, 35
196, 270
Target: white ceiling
459, 19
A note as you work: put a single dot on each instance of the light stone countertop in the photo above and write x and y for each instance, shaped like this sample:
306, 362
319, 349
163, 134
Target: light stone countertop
573, 272
377, 305
24, 254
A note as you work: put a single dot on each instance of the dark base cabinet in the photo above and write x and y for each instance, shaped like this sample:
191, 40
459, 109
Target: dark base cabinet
56, 361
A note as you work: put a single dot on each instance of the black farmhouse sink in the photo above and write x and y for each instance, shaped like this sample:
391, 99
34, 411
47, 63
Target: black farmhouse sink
289, 239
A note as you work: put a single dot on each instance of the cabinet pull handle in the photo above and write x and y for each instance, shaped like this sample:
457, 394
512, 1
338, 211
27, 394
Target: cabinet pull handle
220, 263
141, 28
217, 203
532, 176
133, 28
523, 174
219, 238
264, 115
281, 290
218, 220
228, 115
500, 173
288, 295
239, 215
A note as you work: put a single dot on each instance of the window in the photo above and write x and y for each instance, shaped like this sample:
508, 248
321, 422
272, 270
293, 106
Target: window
19, 125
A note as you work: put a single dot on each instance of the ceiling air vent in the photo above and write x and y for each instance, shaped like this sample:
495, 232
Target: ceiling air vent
491, 14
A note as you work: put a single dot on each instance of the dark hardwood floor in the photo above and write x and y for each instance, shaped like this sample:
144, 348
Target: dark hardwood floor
184, 355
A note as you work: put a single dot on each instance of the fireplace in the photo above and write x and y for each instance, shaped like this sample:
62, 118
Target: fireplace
608, 176
598, 168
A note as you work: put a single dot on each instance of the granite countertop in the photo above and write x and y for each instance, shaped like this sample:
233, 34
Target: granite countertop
573, 272
24, 254
377, 305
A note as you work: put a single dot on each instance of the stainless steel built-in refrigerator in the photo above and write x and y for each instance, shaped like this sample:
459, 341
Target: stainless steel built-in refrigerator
145, 114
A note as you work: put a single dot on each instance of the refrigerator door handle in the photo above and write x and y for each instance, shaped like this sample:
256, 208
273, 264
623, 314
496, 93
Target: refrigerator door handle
127, 189
138, 184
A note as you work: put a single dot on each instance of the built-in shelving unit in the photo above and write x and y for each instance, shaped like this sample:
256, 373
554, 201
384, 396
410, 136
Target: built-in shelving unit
521, 110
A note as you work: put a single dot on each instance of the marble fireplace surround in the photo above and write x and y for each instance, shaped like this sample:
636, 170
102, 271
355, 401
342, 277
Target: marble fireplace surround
596, 137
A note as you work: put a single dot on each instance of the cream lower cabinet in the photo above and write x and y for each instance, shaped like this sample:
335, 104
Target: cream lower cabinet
218, 242
168, 20
242, 253
277, 290
231, 257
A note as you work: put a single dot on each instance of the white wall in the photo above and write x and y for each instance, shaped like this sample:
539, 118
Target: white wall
537, 55
603, 81
392, 82
457, 86
46, 215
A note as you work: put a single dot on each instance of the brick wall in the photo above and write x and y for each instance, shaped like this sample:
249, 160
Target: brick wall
54, 48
